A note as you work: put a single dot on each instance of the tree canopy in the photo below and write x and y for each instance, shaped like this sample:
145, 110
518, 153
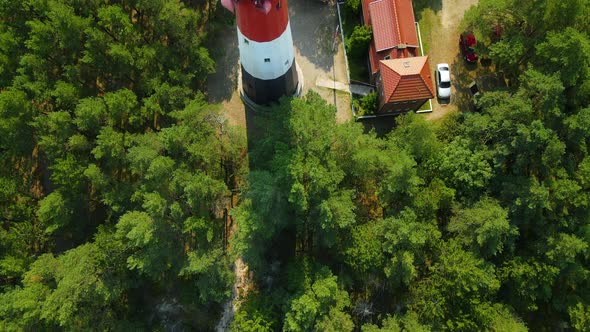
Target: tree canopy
125, 196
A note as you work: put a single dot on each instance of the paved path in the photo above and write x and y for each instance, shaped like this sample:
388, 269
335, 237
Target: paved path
362, 90
331, 84
357, 89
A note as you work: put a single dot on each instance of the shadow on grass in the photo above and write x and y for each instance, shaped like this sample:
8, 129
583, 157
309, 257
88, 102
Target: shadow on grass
420, 5
359, 67
461, 78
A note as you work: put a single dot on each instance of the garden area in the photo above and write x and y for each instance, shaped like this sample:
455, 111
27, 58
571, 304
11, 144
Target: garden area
358, 37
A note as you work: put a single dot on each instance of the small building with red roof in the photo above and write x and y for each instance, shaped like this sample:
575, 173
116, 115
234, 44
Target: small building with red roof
404, 84
402, 76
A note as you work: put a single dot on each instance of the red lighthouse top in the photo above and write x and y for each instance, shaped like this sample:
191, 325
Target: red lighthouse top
261, 20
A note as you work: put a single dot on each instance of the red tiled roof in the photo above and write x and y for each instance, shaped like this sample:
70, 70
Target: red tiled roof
391, 17
404, 12
392, 23
374, 59
366, 17
384, 22
406, 79
394, 53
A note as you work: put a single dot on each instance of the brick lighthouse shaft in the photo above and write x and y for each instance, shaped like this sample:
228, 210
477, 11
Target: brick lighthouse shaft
266, 49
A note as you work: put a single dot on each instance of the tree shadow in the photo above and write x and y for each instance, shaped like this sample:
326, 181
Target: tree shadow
461, 79
420, 5
224, 50
313, 24
264, 127
381, 125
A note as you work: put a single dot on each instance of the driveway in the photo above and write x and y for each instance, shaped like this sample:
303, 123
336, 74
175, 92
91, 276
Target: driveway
440, 21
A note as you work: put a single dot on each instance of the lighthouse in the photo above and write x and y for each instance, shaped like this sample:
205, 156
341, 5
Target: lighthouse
266, 49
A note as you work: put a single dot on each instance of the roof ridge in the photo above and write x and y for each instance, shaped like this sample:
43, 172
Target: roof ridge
416, 84
396, 20
384, 26
386, 68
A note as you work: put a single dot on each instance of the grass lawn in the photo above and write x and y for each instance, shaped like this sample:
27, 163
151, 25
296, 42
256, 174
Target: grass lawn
428, 20
427, 106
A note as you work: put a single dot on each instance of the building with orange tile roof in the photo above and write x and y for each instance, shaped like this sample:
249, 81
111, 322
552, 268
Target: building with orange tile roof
402, 76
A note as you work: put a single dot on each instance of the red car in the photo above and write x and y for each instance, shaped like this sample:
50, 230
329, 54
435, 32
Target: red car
467, 43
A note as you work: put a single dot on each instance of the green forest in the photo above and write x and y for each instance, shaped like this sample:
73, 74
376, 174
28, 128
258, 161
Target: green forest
126, 198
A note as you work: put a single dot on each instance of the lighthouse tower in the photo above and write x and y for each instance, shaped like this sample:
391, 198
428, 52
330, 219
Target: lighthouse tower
266, 49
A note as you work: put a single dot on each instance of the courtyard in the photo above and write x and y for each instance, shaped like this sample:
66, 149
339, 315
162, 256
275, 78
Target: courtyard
318, 54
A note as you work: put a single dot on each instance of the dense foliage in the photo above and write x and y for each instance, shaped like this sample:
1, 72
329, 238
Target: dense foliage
115, 174
117, 183
480, 221
358, 42
366, 104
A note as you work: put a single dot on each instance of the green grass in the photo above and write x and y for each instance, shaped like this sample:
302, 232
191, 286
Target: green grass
428, 20
425, 107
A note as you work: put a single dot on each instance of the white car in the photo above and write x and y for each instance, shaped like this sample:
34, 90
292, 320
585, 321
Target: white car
443, 81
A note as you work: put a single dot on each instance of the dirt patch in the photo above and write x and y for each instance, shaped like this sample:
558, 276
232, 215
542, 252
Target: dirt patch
242, 286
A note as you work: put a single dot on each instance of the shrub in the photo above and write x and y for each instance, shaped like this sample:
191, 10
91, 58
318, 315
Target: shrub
358, 43
367, 104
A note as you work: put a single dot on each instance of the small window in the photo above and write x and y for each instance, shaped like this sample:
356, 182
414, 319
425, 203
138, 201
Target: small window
387, 57
246, 41
286, 62
266, 59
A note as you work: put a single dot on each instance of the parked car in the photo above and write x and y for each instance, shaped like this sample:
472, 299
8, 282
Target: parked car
443, 81
467, 44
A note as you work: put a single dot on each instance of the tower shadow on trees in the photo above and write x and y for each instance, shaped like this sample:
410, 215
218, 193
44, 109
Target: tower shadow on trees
256, 135
266, 130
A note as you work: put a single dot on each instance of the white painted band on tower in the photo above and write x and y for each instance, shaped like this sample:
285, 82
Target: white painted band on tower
267, 60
